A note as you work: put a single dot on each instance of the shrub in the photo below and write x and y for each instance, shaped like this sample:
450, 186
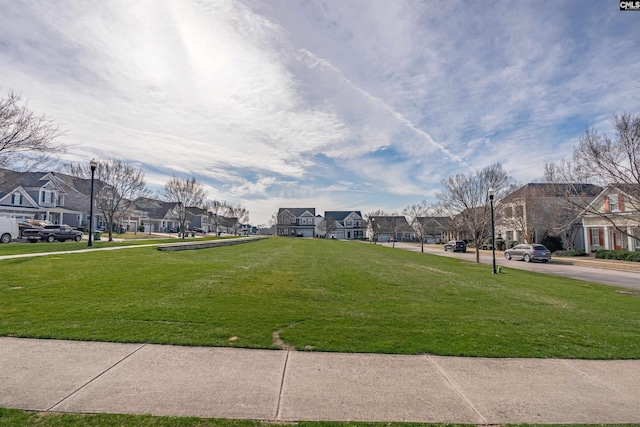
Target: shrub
618, 255
553, 243
572, 252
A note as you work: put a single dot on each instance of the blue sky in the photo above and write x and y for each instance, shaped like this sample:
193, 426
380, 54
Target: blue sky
335, 104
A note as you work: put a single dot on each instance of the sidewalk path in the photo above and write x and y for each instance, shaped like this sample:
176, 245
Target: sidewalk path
93, 377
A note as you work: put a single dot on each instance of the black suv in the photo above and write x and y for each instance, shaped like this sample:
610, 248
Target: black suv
456, 246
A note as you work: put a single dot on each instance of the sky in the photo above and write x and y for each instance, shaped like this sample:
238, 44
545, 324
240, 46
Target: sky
327, 104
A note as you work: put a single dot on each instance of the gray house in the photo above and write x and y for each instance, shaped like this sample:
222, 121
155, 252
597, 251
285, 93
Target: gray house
296, 222
47, 196
346, 225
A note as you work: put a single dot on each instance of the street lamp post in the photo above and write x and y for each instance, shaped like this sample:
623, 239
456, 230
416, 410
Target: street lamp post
493, 231
93, 165
373, 230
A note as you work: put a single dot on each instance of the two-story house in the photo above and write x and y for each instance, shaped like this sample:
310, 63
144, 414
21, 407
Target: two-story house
47, 196
296, 222
345, 225
536, 210
612, 220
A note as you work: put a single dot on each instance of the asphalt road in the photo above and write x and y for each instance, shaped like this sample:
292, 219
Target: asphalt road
625, 279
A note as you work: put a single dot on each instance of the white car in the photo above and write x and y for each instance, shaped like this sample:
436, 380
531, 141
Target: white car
9, 230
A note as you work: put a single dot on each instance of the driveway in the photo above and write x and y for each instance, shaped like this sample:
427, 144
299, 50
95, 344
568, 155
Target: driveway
625, 279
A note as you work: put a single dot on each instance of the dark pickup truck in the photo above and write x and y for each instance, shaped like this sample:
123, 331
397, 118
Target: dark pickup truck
51, 233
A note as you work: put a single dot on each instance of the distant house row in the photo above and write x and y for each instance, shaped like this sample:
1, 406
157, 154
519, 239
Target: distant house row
349, 225
64, 199
610, 221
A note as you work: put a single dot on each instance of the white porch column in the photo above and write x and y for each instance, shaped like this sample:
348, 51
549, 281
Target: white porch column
631, 243
587, 240
607, 237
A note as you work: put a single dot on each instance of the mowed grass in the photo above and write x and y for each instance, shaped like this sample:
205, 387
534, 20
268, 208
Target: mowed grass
15, 417
316, 295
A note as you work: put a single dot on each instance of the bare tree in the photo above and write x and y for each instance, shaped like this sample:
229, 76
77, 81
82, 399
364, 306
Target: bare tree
465, 198
118, 186
377, 224
328, 225
185, 193
603, 160
216, 210
240, 214
26, 139
417, 217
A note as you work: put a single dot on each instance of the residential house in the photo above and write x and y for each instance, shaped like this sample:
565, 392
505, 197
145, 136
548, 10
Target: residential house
154, 215
435, 229
537, 210
228, 225
47, 196
198, 219
345, 225
612, 220
296, 222
389, 228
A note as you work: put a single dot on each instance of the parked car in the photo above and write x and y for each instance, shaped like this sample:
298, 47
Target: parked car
51, 233
8, 230
526, 252
456, 246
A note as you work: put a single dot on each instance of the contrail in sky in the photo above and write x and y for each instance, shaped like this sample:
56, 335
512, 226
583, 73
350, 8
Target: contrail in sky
314, 61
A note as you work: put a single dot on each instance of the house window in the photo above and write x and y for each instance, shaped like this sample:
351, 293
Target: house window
509, 236
46, 197
613, 203
595, 237
519, 211
508, 212
16, 199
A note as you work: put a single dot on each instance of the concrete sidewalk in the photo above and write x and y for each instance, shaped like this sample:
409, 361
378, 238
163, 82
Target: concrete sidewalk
68, 376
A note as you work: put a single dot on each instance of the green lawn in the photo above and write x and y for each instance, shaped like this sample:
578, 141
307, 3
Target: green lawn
318, 295
15, 417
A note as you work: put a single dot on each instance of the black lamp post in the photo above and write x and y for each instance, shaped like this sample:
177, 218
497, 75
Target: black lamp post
93, 165
373, 230
493, 231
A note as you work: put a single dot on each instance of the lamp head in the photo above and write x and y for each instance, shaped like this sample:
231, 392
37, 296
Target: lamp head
490, 193
93, 163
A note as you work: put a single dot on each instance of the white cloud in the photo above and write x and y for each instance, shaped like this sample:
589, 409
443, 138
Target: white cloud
322, 102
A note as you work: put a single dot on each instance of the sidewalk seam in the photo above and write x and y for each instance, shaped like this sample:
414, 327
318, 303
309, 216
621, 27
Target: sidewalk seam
94, 378
284, 373
460, 393
595, 380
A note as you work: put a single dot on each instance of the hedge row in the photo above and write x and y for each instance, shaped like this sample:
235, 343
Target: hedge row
619, 255
572, 252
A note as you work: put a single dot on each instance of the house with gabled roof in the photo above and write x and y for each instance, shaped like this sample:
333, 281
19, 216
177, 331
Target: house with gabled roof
389, 228
47, 196
433, 228
345, 225
155, 215
612, 219
296, 222
537, 210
